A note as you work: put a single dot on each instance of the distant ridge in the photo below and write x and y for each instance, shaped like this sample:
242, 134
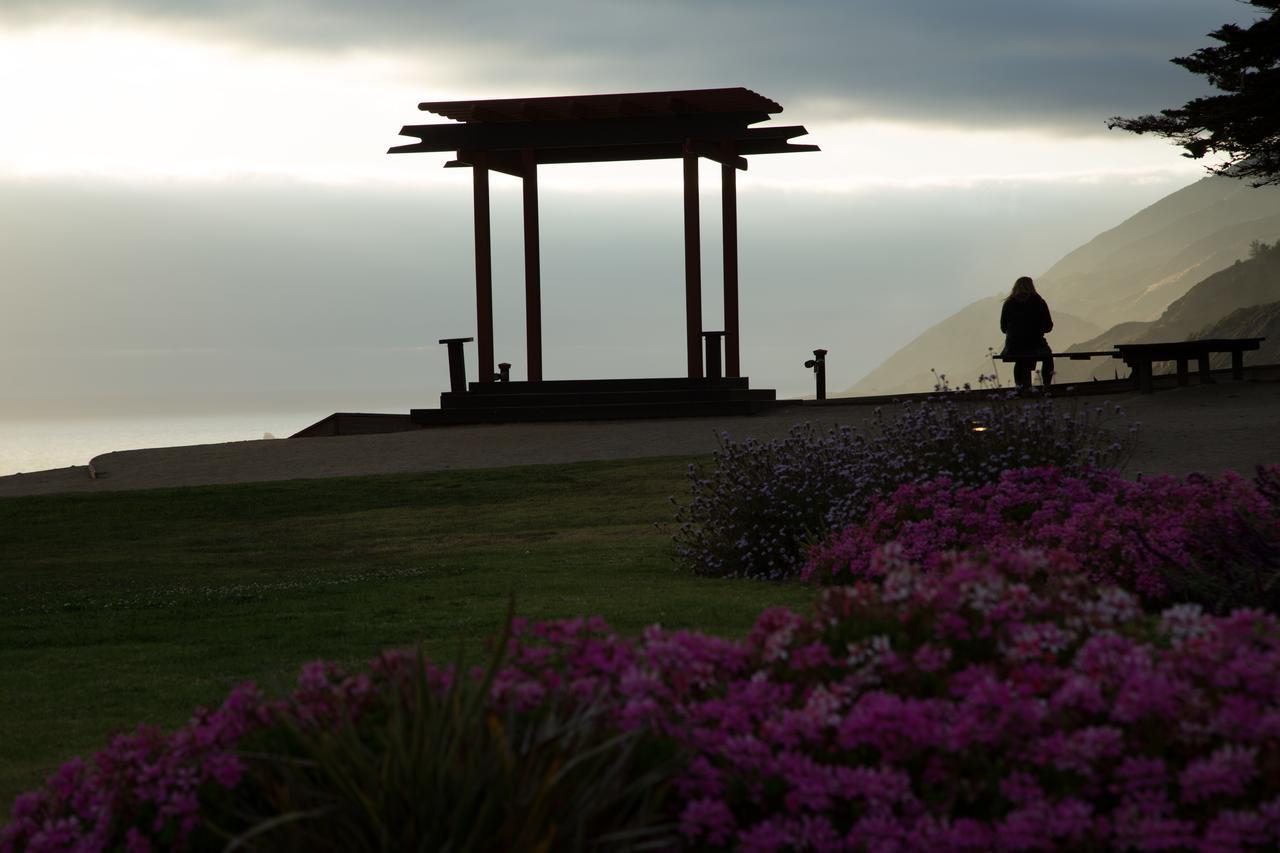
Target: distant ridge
1129, 274
1257, 321
1223, 305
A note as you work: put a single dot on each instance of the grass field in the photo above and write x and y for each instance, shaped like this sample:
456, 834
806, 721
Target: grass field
138, 606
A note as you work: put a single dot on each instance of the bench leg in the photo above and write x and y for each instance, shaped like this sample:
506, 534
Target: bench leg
1205, 378
1143, 371
1183, 377
1237, 364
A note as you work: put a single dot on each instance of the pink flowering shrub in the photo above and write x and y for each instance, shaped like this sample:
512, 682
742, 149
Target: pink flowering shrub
143, 791
1002, 701
403, 757
1167, 539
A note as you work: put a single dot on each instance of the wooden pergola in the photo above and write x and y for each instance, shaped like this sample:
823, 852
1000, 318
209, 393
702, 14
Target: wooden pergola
516, 135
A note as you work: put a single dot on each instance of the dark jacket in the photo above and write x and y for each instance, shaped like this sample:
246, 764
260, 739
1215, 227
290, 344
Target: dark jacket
1025, 322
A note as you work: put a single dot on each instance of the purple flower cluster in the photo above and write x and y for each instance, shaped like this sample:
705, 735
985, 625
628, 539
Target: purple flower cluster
1145, 535
755, 507
994, 702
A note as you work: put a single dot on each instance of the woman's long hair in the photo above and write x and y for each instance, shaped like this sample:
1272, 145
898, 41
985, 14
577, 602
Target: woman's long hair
1023, 289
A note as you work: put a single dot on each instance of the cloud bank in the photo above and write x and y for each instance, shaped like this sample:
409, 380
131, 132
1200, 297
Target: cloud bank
993, 63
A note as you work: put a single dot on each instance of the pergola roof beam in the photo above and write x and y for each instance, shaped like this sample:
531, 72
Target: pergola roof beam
577, 133
626, 104
615, 153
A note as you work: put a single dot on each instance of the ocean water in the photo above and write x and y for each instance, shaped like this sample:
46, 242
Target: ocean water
40, 444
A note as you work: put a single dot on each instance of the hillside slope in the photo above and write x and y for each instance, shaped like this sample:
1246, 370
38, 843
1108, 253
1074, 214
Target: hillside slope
1127, 275
957, 348
1258, 321
1235, 291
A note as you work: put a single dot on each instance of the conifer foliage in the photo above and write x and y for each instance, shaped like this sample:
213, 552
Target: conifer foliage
1242, 122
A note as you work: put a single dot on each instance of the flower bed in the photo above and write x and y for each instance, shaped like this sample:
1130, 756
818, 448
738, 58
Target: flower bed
753, 510
1216, 541
1000, 702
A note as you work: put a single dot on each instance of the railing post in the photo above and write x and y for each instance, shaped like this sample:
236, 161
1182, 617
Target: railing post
711, 345
457, 363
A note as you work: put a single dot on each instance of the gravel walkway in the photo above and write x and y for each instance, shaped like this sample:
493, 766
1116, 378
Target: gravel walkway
1206, 428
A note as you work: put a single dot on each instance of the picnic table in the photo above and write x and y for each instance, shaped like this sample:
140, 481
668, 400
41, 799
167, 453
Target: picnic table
1141, 357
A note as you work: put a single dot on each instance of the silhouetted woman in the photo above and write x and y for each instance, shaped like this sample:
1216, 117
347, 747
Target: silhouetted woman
1025, 321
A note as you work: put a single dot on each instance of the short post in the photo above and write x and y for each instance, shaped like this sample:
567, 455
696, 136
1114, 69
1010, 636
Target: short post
504, 372
457, 363
1143, 369
1206, 377
819, 365
711, 343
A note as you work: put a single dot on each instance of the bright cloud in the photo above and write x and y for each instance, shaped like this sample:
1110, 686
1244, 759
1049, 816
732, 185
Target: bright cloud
131, 103
148, 104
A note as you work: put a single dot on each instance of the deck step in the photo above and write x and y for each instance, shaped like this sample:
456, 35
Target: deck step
449, 400
585, 412
596, 386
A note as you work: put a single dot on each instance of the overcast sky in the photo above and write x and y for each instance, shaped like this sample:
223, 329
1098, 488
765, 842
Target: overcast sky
196, 194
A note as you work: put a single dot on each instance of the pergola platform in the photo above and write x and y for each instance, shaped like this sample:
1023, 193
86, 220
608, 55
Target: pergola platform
595, 399
515, 136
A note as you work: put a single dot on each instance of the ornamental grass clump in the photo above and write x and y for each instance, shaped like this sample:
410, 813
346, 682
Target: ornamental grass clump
421, 767
1215, 542
757, 505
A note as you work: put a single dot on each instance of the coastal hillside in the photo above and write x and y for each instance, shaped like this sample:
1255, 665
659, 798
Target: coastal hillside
1116, 283
957, 348
1257, 321
1228, 296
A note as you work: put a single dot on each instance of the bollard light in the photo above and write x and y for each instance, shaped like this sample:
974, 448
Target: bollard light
819, 365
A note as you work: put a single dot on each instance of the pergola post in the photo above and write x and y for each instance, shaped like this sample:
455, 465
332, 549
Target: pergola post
484, 266
729, 227
692, 264
532, 271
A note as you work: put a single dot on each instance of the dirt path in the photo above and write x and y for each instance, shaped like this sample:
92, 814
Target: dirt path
1206, 428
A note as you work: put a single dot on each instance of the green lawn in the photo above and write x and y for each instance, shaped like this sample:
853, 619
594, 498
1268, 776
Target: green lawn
138, 606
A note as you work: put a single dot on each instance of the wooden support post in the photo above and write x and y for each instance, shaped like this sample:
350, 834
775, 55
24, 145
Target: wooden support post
692, 265
1143, 372
1237, 364
484, 267
532, 270
729, 224
1205, 377
1182, 371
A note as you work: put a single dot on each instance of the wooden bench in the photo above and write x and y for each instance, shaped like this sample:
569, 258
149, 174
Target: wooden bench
1074, 356
1140, 357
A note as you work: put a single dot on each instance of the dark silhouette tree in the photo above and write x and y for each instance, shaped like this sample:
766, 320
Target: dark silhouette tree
1243, 122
